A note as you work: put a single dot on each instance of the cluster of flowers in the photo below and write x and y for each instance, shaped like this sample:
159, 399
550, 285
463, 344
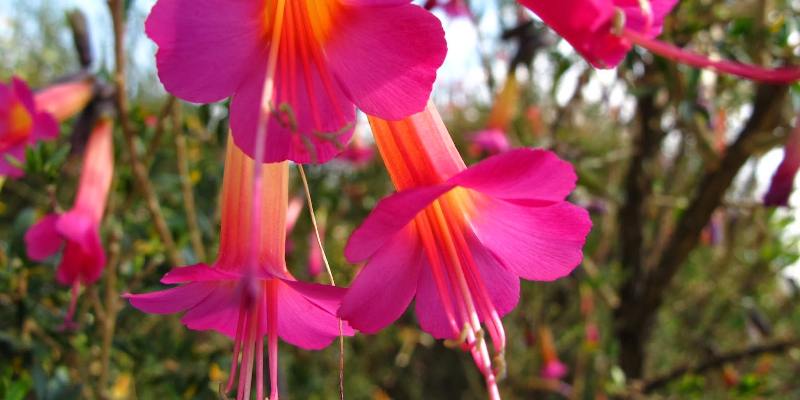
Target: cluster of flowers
455, 239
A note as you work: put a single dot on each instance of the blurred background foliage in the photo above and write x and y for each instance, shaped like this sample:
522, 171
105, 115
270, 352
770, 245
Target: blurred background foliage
732, 295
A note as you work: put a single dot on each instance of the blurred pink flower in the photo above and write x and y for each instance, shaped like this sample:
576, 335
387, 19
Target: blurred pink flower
78, 229
603, 31
333, 55
358, 153
780, 188
458, 239
247, 302
66, 99
553, 368
21, 125
488, 141
493, 139
453, 8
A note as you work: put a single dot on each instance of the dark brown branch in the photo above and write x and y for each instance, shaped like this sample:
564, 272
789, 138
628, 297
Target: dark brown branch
719, 361
637, 313
638, 188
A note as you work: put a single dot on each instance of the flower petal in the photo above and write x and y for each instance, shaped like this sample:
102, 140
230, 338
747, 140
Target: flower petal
196, 273
386, 57
307, 314
16, 153
392, 214
206, 47
42, 239
536, 243
522, 175
82, 260
218, 311
45, 127
501, 284
586, 25
171, 300
312, 123
428, 305
385, 286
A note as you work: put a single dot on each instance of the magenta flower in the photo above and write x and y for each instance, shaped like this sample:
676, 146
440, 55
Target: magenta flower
603, 31
780, 188
453, 8
493, 139
458, 239
21, 125
78, 230
553, 368
489, 141
333, 55
247, 302
358, 153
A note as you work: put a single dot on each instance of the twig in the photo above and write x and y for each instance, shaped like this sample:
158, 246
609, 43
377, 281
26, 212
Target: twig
140, 173
720, 360
109, 321
155, 142
330, 275
186, 185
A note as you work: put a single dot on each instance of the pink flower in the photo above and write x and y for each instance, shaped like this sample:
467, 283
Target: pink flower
458, 239
553, 368
244, 297
64, 100
358, 153
780, 188
603, 31
493, 139
78, 229
489, 141
453, 8
333, 55
21, 125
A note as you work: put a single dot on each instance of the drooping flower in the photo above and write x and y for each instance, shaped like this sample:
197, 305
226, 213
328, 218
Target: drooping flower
493, 139
552, 368
782, 183
78, 230
247, 298
603, 31
332, 55
66, 99
458, 239
453, 8
21, 125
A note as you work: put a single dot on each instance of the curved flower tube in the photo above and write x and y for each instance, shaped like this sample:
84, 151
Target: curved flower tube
78, 230
458, 239
333, 56
248, 302
21, 125
782, 183
604, 31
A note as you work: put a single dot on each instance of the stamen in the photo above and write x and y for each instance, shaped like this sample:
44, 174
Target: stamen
330, 273
272, 337
428, 244
69, 323
237, 347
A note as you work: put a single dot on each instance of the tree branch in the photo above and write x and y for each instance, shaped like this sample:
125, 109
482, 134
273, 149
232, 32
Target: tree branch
719, 361
139, 171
